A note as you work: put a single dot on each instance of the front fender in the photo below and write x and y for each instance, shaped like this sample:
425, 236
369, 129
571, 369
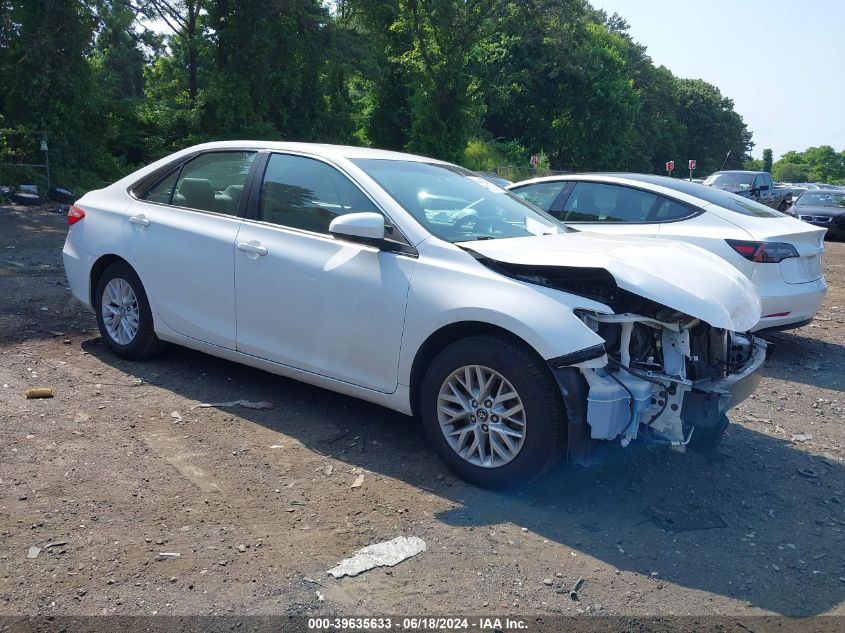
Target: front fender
443, 294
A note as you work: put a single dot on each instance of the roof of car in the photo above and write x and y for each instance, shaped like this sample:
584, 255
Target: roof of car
737, 171
825, 191
323, 149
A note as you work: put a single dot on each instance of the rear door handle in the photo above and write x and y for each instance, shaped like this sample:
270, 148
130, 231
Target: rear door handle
139, 220
253, 249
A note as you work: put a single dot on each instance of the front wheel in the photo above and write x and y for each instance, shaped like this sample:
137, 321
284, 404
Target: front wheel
123, 314
493, 412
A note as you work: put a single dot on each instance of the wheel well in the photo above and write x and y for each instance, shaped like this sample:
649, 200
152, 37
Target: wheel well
97, 270
444, 337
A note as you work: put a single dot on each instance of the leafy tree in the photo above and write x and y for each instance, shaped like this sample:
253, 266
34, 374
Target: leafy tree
184, 20
767, 160
430, 76
713, 127
444, 35
790, 172
47, 82
815, 164
753, 164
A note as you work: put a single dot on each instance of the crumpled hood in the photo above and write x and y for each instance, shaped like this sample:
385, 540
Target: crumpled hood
678, 275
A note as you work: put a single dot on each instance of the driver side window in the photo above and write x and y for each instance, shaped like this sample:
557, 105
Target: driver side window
304, 193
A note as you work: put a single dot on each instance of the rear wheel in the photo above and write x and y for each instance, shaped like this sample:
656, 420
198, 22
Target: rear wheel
493, 412
123, 314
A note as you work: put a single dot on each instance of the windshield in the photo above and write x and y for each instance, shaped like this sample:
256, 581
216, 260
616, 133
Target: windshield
732, 180
458, 205
821, 199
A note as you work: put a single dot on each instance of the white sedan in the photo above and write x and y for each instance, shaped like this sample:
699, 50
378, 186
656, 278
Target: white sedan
781, 255
417, 285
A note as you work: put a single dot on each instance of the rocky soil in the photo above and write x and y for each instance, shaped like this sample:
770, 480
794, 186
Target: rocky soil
122, 466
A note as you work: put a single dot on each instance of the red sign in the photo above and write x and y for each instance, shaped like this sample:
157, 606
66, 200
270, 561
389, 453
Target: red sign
670, 165
692, 163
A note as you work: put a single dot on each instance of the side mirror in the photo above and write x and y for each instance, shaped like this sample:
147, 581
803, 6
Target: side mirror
358, 227
763, 188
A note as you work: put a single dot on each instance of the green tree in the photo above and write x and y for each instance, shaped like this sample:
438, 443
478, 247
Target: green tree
444, 36
790, 172
48, 84
767, 160
714, 128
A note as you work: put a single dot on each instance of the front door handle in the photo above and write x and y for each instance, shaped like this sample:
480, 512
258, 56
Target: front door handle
253, 249
139, 220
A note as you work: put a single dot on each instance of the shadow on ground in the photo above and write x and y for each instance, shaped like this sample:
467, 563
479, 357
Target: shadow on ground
774, 515
798, 358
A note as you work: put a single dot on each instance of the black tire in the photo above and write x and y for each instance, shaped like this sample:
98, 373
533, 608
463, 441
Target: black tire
60, 194
545, 429
706, 441
145, 344
27, 199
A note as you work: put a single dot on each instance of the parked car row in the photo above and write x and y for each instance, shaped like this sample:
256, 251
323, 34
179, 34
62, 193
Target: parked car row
518, 326
780, 255
755, 185
822, 207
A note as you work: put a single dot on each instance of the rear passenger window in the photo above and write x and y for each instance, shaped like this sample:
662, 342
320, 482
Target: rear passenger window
213, 182
542, 194
304, 193
162, 191
599, 202
667, 210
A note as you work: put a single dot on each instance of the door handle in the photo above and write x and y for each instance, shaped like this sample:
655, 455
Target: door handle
253, 249
139, 220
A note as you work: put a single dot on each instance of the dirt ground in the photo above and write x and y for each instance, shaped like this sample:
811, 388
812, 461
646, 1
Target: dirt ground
120, 466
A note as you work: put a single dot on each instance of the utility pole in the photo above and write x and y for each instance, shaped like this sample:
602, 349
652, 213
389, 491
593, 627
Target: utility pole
46, 151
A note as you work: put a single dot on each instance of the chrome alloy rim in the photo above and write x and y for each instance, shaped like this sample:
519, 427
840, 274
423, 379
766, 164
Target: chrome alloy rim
120, 311
481, 416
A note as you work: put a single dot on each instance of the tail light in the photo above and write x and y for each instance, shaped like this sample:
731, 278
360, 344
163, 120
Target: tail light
763, 252
75, 214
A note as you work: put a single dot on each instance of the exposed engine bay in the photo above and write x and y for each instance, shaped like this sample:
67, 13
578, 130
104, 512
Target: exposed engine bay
665, 376
661, 374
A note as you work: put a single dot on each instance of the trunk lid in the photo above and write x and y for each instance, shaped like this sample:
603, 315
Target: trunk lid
807, 239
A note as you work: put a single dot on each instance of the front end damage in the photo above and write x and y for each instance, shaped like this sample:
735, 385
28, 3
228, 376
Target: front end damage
674, 358
663, 377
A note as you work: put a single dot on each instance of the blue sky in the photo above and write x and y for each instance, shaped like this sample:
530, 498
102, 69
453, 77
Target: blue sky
781, 61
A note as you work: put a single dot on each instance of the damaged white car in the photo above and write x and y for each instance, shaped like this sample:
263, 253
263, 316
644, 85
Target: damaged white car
419, 286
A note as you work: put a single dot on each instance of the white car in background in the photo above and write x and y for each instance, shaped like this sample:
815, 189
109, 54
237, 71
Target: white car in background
781, 255
420, 286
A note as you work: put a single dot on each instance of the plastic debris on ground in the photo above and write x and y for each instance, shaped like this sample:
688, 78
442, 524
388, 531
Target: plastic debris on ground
386, 554
247, 404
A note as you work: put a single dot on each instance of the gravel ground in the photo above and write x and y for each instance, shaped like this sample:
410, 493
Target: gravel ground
120, 466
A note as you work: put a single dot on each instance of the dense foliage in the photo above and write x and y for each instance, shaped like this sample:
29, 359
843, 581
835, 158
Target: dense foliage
479, 82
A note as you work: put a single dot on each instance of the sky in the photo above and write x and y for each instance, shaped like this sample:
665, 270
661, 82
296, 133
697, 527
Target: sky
781, 61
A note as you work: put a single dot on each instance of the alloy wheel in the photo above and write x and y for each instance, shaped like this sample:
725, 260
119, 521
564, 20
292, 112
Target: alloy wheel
121, 314
481, 416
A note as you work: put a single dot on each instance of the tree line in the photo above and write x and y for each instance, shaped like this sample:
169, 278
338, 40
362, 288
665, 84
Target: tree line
478, 82
815, 164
